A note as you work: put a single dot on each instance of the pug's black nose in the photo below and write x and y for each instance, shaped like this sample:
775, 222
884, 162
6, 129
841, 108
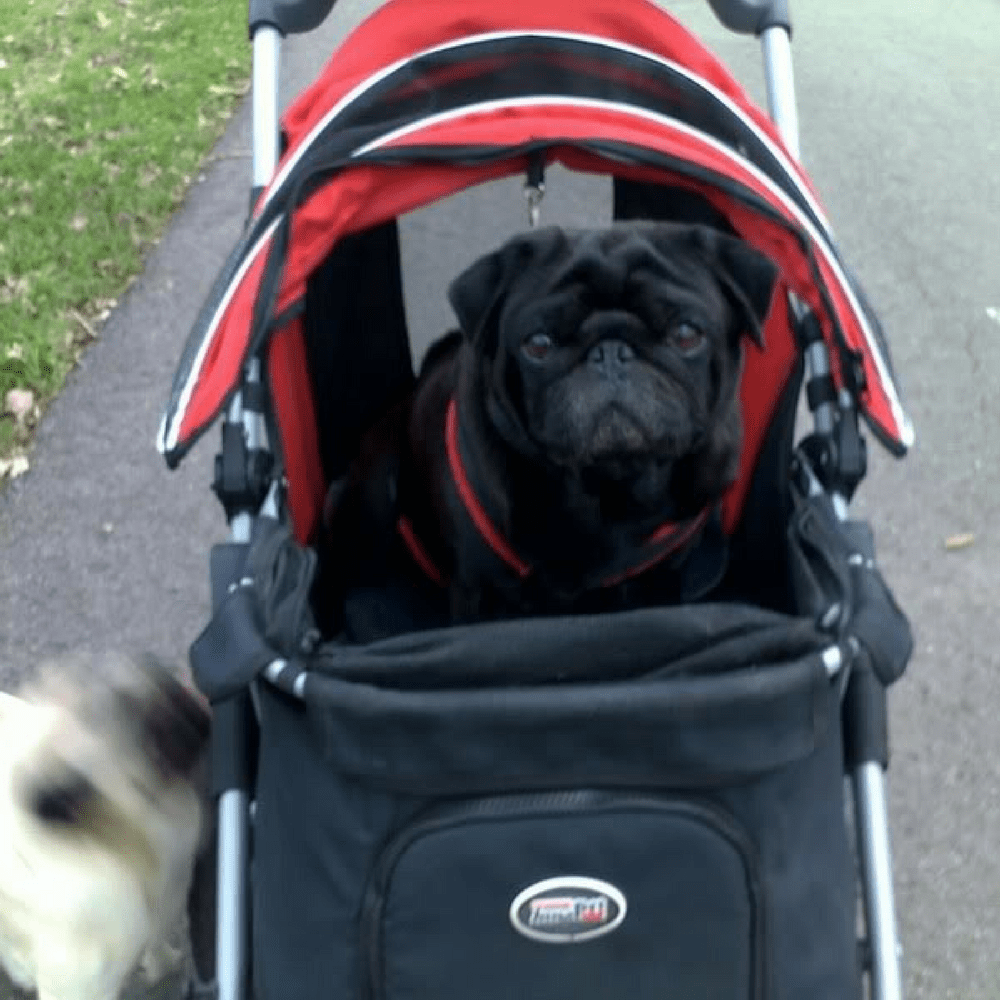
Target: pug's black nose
610, 353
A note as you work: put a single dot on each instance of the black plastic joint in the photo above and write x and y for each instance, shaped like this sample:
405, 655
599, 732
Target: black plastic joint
838, 460
256, 23
242, 476
290, 17
753, 17
230, 465
819, 390
808, 330
254, 397
820, 453
777, 15
865, 718
858, 378
852, 454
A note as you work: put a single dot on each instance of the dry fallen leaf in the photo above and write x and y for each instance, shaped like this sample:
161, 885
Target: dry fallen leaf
960, 541
13, 289
19, 403
237, 90
85, 323
11, 468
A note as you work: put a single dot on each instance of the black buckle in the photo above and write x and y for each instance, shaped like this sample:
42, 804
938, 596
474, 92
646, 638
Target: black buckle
852, 453
242, 476
838, 460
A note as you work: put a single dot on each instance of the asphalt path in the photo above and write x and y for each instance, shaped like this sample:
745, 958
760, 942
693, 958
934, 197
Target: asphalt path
900, 106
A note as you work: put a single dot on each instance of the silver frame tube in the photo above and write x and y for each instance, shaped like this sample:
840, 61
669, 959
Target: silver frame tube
871, 821
233, 910
232, 937
777, 52
266, 73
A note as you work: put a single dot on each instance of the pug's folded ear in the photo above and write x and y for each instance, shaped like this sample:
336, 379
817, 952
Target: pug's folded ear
475, 292
747, 276
480, 290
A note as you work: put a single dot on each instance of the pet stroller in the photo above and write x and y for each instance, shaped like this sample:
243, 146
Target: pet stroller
647, 803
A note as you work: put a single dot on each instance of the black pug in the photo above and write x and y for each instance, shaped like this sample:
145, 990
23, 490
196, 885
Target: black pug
566, 450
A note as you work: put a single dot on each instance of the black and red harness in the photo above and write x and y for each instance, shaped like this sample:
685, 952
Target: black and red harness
667, 540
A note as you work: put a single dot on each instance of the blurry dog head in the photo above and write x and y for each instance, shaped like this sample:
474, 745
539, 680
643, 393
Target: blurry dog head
101, 819
616, 353
126, 728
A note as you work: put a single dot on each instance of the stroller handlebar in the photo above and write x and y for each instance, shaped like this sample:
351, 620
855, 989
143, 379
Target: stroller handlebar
752, 17
290, 17
296, 17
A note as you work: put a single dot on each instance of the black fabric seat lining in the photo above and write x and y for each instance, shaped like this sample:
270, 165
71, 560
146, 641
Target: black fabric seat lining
357, 343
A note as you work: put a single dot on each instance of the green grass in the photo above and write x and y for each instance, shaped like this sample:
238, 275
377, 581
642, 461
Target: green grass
107, 108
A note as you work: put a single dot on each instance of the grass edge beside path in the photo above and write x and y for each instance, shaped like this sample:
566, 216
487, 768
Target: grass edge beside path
108, 109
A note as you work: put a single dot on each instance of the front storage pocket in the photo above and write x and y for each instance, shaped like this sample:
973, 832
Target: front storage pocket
566, 895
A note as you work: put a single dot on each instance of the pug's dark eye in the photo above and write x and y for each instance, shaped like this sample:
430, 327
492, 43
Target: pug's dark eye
537, 346
688, 337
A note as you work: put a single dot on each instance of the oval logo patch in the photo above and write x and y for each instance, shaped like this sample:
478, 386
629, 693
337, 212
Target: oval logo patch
568, 909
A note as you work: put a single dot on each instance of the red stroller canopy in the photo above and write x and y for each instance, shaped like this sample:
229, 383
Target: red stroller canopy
425, 99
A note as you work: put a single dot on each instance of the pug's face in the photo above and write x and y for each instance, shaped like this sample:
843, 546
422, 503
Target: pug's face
618, 350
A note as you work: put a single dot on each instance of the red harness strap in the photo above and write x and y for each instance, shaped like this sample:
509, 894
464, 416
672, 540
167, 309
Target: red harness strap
484, 525
420, 554
668, 537
664, 541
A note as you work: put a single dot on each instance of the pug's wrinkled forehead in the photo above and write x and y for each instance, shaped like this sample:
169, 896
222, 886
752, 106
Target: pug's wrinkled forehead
610, 263
610, 267
616, 273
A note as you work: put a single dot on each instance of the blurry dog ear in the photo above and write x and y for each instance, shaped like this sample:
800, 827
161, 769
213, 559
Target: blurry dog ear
747, 276
173, 722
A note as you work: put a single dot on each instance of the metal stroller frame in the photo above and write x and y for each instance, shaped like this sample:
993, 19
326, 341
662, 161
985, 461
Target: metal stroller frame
243, 480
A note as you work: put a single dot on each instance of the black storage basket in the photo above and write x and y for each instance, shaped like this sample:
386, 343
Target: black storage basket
644, 805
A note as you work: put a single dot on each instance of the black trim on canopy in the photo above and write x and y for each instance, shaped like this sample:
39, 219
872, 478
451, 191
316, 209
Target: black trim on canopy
538, 66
